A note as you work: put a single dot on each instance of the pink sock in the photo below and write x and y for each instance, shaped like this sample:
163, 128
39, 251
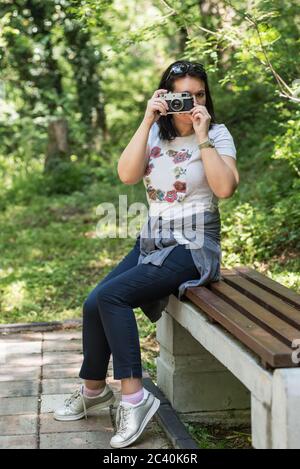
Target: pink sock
133, 398
92, 392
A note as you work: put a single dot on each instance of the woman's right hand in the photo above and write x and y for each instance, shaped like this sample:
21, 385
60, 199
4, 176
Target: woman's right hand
156, 107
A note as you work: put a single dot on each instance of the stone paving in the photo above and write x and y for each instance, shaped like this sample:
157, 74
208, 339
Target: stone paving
38, 370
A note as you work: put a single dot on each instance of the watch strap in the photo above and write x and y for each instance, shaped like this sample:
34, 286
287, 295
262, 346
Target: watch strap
206, 144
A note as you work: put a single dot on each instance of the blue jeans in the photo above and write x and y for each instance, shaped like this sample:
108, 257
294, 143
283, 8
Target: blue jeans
109, 323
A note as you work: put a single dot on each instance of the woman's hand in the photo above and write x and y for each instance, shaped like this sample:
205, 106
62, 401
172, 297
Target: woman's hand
201, 120
155, 107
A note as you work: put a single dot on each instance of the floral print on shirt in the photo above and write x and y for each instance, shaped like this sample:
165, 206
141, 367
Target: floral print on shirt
178, 193
155, 152
179, 156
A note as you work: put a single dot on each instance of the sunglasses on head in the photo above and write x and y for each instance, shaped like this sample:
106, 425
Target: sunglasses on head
182, 68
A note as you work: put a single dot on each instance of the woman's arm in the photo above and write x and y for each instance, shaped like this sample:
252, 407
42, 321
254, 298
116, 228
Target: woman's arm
221, 172
132, 162
220, 169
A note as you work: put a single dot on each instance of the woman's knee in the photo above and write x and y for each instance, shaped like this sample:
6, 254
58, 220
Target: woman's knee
103, 296
90, 308
107, 295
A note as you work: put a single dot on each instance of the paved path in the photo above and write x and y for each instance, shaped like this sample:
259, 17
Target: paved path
38, 370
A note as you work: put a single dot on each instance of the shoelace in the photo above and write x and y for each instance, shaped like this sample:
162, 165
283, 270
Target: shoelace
124, 413
69, 401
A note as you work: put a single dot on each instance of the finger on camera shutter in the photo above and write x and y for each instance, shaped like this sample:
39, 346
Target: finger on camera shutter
158, 92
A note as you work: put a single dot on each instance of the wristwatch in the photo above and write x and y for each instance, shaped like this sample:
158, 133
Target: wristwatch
207, 143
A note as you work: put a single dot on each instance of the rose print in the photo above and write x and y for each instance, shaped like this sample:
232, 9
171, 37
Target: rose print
181, 156
180, 186
155, 152
178, 192
170, 196
149, 168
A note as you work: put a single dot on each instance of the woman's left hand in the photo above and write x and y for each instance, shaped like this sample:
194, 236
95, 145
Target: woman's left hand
201, 120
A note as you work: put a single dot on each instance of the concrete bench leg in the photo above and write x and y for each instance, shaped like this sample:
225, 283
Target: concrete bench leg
286, 409
193, 380
260, 424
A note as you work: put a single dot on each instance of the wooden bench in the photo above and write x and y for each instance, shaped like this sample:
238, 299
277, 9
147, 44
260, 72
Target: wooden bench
231, 348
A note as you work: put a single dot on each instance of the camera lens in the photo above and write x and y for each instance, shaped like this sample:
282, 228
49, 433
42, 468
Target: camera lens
176, 104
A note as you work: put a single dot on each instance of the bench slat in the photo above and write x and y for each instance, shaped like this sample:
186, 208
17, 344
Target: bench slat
274, 304
260, 315
270, 285
260, 341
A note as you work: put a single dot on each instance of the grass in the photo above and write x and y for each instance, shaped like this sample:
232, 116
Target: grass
217, 437
53, 256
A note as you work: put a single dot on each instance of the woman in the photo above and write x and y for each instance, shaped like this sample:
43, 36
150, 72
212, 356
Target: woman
177, 173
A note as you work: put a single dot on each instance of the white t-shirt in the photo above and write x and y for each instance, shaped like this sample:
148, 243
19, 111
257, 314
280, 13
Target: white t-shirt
175, 179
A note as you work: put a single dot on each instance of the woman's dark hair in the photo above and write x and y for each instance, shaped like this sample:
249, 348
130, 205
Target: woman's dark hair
167, 130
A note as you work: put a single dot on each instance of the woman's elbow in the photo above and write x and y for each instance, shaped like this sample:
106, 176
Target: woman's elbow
123, 176
127, 180
226, 192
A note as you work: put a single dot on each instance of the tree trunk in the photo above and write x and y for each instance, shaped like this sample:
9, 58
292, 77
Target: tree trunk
58, 147
100, 130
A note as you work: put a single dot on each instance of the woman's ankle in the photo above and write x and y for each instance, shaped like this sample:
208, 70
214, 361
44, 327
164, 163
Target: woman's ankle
94, 385
131, 385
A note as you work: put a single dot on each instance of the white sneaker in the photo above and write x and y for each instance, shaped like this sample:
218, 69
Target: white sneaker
78, 405
131, 419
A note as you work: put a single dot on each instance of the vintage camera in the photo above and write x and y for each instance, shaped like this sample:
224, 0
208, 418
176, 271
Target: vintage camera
178, 102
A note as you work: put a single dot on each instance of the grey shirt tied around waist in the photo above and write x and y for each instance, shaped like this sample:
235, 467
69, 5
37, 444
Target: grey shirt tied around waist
205, 247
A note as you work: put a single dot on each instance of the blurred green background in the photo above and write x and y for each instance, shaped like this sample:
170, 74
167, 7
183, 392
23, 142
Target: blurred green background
75, 80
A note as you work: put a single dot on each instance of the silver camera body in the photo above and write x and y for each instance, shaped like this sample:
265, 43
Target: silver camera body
178, 103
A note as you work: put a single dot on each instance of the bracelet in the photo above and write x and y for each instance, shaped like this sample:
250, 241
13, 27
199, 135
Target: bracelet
206, 144
202, 141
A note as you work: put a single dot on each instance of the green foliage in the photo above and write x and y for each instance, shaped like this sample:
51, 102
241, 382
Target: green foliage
66, 178
287, 146
53, 62
218, 437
